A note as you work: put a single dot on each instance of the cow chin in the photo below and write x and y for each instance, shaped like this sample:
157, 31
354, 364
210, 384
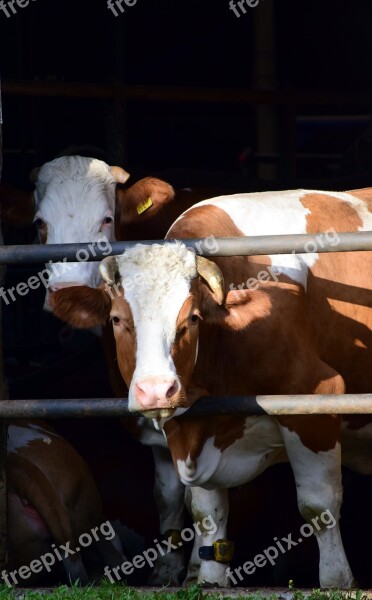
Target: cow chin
162, 413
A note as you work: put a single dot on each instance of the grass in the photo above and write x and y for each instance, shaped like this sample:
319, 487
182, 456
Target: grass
106, 591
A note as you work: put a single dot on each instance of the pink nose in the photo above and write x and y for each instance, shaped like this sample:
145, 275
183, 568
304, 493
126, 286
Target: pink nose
155, 393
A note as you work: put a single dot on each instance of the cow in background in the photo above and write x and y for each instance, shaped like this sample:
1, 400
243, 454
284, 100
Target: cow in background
53, 499
299, 324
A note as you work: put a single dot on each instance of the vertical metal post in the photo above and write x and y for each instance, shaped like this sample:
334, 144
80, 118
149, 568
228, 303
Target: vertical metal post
3, 422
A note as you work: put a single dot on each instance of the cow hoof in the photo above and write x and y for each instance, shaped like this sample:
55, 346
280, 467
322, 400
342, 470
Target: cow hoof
213, 574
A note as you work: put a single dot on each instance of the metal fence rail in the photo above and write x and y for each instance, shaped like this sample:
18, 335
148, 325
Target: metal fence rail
237, 246
295, 404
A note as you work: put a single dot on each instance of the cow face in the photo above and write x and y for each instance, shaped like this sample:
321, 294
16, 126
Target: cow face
156, 323
155, 304
75, 199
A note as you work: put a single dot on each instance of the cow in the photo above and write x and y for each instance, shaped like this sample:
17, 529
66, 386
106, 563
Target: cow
186, 326
52, 501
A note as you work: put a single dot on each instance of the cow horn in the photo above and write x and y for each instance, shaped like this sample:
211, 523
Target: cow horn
34, 174
119, 174
109, 269
212, 274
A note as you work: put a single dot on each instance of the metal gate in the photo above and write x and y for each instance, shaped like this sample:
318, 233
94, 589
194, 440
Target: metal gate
114, 407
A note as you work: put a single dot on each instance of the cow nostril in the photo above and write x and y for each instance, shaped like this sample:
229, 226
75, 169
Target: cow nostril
172, 390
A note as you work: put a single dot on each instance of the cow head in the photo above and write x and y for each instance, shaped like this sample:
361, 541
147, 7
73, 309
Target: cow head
78, 200
156, 297
75, 202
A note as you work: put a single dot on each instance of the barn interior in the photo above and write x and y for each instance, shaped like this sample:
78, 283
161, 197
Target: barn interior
277, 96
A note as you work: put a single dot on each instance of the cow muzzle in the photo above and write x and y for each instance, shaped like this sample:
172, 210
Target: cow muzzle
157, 394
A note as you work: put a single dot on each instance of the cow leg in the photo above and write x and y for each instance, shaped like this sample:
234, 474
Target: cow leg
317, 472
169, 496
209, 509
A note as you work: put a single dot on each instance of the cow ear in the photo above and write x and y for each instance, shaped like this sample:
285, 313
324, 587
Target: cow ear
143, 199
239, 309
81, 306
213, 276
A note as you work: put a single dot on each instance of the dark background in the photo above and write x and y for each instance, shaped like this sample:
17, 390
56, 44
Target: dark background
278, 98
310, 47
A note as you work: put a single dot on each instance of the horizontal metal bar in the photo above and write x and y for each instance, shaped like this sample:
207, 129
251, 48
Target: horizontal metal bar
227, 405
164, 93
237, 246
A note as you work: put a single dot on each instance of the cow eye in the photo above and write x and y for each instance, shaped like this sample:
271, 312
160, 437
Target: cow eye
39, 223
107, 220
116, 320
194, 319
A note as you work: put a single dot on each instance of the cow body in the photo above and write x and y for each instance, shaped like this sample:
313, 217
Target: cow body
52, 498
272, 325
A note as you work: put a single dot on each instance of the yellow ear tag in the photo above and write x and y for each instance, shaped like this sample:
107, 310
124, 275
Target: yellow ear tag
144, 206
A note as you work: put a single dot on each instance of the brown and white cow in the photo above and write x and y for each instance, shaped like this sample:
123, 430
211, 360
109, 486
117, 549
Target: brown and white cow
52, 500
186, 327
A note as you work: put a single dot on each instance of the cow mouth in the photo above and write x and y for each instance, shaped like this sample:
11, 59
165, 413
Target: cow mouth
161, 413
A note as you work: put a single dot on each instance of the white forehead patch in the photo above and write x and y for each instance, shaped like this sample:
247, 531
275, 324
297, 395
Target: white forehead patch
73, 194
156, 281
152, 273
72, 169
